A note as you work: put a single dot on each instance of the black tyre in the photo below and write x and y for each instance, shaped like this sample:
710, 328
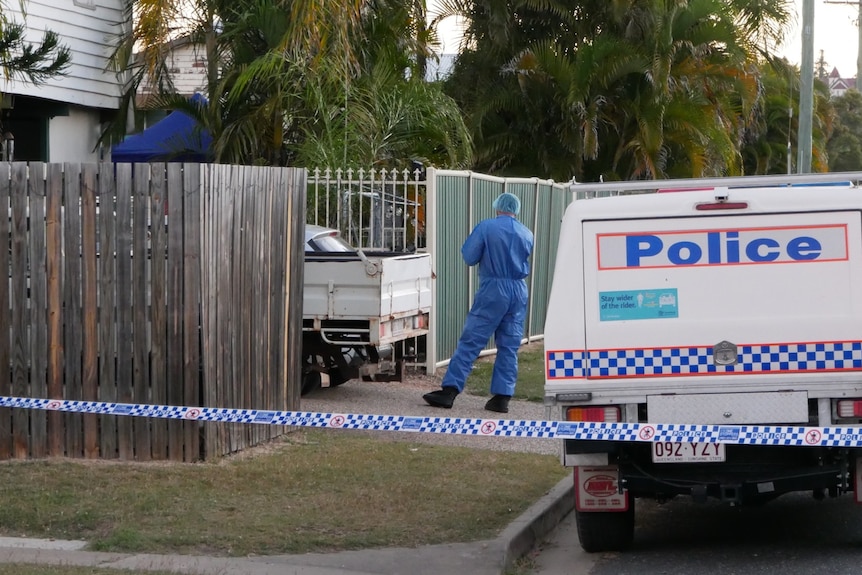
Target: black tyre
336, 378
310, 381
609, 531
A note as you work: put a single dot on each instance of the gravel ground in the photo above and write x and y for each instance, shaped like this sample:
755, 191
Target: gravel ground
405, 398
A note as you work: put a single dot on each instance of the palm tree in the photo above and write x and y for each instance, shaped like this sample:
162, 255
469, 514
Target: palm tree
301, 81
355, 107
313, 27
387, 122
845, 144
767, 138
235, 33
621, 89
692, 96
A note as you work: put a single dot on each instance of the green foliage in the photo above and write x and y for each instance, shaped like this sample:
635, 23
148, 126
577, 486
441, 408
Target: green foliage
311, 83
384, 121
845, 145
772, 131
615, 90
625, 89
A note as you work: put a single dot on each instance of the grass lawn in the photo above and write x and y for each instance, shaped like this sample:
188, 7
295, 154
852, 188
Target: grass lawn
531, 374
320, 490
311, 491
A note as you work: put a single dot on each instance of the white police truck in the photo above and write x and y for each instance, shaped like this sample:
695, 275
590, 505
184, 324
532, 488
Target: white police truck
705, 340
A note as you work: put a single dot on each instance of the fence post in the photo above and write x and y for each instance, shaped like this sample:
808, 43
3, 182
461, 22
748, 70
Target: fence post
431, 247
470, 197
529, 331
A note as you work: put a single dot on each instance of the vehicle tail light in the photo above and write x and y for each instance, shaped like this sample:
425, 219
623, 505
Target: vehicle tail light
850, 408
608, 413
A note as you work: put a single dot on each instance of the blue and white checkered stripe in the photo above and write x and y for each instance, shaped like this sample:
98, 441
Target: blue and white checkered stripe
846, 436
670, 361
567, 364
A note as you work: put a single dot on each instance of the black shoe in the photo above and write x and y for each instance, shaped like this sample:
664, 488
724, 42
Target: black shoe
442, 397
499, 403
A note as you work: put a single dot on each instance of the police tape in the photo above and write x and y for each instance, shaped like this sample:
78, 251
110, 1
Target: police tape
849, 436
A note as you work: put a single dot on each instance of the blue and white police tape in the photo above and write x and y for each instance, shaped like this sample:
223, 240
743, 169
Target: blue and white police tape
598, 431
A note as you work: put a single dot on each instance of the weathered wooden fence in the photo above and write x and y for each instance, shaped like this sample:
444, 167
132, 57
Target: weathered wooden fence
170, 284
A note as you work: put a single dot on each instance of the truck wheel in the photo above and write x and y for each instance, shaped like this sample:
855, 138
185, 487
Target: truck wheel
609, 531
310, 381
336, 378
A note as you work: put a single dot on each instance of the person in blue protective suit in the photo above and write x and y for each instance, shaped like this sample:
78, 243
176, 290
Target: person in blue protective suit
501, 246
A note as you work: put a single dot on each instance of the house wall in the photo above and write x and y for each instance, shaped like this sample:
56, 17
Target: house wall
90, 29
73, 138
188, 70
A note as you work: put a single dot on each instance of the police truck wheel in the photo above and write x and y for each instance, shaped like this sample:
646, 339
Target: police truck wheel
610, 531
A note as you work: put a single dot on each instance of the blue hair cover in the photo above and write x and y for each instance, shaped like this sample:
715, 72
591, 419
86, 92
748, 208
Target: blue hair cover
508, 203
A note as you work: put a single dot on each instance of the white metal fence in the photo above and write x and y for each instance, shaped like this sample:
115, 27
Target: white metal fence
373, 209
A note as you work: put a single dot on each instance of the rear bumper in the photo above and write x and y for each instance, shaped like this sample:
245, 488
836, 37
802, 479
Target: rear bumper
750, 473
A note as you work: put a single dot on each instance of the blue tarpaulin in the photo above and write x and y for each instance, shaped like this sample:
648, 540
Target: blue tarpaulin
175, 138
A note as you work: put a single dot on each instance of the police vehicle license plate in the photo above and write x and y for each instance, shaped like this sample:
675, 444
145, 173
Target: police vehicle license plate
689, 452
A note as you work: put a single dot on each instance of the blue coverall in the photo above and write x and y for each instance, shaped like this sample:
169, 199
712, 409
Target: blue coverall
502, 247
